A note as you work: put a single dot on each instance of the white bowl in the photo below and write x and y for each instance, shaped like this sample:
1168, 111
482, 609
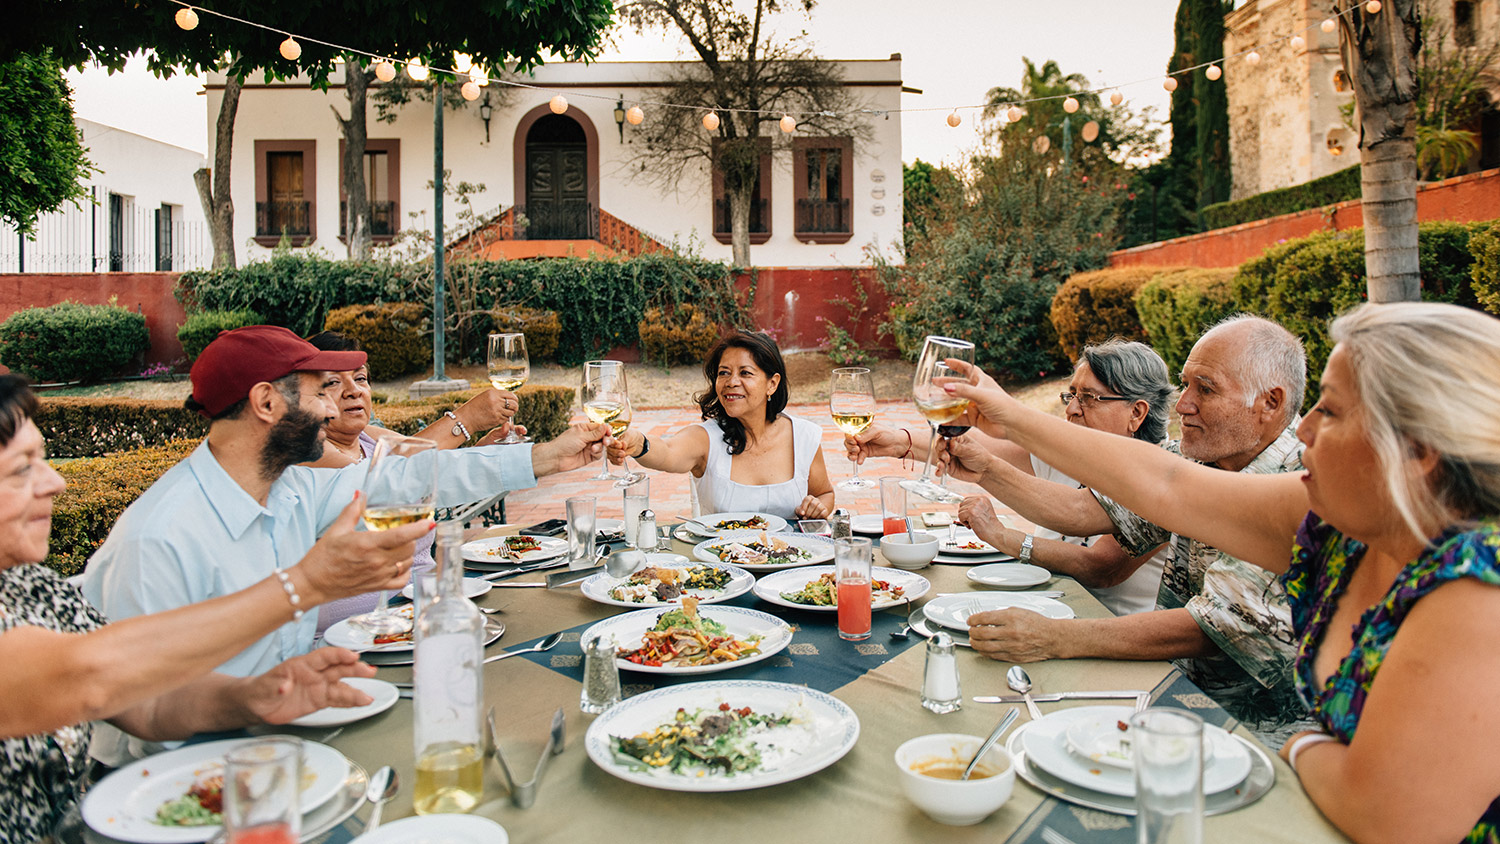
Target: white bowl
951, 801
909, 555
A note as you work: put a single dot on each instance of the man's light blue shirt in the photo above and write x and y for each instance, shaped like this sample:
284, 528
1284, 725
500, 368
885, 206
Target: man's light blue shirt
196, 534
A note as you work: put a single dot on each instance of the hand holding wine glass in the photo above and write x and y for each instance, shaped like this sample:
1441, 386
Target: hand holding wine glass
939, 406
606, 399
851, 402
400, 488
509, 368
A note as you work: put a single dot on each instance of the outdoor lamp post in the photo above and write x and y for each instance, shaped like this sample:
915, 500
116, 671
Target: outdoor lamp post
620, 117
485, 112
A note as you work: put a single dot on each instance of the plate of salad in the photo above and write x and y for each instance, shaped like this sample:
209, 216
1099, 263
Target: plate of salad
723, 735
666, 580
687, 640
760, 551
813, 588
719, 524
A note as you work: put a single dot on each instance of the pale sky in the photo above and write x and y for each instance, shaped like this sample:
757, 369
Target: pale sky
953, 50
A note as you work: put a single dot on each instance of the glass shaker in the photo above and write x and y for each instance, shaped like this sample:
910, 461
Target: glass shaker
940, 692
601, 677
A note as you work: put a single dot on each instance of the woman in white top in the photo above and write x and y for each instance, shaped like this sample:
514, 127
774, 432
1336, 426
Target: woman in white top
746, 455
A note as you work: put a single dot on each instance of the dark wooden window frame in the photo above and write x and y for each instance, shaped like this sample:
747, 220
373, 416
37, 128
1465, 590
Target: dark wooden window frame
309, 185
756, 238
392, 149
845, 145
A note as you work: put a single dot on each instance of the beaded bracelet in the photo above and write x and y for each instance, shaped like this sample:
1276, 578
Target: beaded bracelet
1303, 743
291, 594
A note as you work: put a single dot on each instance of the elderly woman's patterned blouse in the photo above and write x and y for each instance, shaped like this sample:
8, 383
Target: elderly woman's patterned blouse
39, 774
1323, 561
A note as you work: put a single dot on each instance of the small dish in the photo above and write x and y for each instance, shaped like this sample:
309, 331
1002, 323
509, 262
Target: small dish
903, 554
473, 588
1009, 575
384, 693
948, 799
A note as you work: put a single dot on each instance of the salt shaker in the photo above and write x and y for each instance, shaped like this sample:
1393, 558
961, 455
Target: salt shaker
841, 524
940, 691
645, 534
601, 678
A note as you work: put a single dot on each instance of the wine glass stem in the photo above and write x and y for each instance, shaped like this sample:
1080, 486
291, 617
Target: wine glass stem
931, 447
604, 463
855, 463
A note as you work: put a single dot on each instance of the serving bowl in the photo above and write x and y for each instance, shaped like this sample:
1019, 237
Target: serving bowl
952, 801
905, 554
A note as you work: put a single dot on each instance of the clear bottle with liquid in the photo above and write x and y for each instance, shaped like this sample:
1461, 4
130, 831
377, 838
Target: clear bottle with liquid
448, 690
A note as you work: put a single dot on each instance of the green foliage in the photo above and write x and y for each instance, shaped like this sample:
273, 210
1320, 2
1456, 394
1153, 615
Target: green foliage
1444, 152
918, 194
200, 329
1326, 190
42, 160
1093, 306
70, 342
395, 335
1485, 247
294, 289
678, 336
91, 427
843, 349
1176, 307
542, 330
901, 327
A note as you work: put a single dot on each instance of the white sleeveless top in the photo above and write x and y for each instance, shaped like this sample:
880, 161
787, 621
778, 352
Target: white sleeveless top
716, 493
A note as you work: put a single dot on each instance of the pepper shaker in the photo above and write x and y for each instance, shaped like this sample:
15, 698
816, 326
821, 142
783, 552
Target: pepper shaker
645, 534
840, 523
601, 677
940, 692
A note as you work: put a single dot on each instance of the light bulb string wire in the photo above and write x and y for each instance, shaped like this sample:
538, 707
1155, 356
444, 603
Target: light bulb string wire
346, 50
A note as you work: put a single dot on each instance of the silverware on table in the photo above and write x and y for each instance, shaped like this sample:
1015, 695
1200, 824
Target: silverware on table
1018, 679
556, 562
1052, 836
1056, 696
523, 794
1005, 722
546, 644
383, 786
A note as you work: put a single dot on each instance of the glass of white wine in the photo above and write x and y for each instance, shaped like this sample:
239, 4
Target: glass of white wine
509, 368
400, 488
937, 406
606, 398
851, 401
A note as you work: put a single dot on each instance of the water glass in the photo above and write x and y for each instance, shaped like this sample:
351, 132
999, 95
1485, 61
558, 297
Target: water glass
637, 500
892, 506
852, 559
262, 787
1167, 747
580, 512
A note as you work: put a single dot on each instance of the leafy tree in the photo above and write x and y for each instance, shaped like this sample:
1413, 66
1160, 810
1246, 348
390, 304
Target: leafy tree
1451, 94
42, 161
919, 192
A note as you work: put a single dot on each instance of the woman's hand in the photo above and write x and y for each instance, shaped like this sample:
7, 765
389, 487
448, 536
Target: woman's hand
490, 409
988, 401
305, 684
964, 459
812, 507
877, 441
501, 433
627, 444
347, 562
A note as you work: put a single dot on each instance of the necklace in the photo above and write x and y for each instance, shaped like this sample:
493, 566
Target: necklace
356, 454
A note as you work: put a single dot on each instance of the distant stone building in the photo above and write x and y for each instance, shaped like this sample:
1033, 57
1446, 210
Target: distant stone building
1289, 115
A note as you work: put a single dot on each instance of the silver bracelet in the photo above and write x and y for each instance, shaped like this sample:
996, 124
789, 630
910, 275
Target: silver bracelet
291, 593
459, 428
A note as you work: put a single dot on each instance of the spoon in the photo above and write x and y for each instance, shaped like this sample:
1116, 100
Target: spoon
624, 563
546, 644
383, 786
1009, 719
1018, 679
707, 531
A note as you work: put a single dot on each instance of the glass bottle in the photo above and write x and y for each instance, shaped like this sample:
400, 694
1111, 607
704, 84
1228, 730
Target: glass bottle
448, 689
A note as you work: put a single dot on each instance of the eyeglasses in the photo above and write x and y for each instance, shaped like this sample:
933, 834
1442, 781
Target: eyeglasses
1086, 400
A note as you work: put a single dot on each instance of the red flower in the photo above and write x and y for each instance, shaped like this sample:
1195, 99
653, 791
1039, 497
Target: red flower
1130, 195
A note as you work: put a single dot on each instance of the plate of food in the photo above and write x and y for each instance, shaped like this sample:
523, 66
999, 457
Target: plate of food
1009, 575
176, 796
512, 550
762, 551
966, 543
390, 650
953, 611
687, 640
813, 588
384, 695
666, 580
723, 735
721, 524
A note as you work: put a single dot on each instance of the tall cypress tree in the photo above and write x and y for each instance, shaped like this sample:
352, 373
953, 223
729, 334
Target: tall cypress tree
1211, 100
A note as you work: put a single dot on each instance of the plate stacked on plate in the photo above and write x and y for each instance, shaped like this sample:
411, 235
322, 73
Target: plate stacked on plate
775, 587
501, 552
639, 590
967, 549
953, 611
1009, 575
762, 551
345, 635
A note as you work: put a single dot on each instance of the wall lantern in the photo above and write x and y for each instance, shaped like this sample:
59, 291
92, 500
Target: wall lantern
620, 117
485, 112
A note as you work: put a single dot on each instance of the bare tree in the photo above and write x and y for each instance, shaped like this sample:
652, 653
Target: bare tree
218, 203
748, 79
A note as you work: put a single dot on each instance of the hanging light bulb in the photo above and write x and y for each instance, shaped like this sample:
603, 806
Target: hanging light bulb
954, 120
480, 75
186, 18
1373, 7
634, 116
1090, 132
290, 49
462, 62
1213, 72
1070, 105
1170, 83
470, 90
1014, 114
788, 125
1298, 42
558, 104
385, 71
417, 71
710, 121
1328, 25
1252, 58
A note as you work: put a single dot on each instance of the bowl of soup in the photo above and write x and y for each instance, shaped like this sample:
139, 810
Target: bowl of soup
930, 770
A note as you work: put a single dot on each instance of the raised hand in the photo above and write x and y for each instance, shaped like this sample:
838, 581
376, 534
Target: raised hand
877, 441
988, 401
347, 562
627, 444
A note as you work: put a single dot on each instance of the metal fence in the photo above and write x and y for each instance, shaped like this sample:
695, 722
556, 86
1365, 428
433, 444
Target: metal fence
111, 233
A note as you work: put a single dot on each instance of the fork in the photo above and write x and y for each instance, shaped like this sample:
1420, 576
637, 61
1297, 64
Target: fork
1052, 836
974, 608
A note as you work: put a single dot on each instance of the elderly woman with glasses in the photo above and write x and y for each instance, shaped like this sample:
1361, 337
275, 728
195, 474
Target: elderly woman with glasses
1117, 387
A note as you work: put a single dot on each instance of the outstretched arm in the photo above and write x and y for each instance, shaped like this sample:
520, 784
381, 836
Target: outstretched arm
1069, 511
1099, 565
687, 451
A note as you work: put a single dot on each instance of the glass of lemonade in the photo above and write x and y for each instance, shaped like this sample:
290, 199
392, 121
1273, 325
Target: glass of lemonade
509, 368
937, 406
400, 488
851, 402
262, 790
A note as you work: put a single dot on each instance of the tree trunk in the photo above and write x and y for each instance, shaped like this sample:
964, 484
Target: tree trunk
217, 199
739, 226
357, 218
1379, 52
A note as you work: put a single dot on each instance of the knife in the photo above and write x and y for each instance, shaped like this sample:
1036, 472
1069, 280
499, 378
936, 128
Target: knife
545, 564
1058, 696
572, 576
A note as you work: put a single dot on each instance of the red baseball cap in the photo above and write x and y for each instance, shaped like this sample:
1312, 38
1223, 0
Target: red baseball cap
238, 360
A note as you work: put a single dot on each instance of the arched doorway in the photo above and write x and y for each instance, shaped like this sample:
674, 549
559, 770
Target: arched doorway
557, 181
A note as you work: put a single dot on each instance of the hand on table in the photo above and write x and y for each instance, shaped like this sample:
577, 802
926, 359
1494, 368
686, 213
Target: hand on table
305, 684
812, 507
347, 562
1014, 635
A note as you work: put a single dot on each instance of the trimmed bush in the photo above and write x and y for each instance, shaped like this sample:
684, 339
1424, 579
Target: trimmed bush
1176, 307
394, 335
1327, 190
70, 342
1094, 306
201, 329
1485, 274
545, 411
682, 335
542, 330
90, 427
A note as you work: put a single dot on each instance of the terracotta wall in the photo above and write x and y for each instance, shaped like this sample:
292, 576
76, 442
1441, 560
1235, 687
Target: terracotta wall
1460, 199
147, 293
792, 301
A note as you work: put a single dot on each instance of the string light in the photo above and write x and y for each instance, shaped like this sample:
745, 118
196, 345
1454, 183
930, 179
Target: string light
462, 62
1070, 105
1373, 7
634, 116
1298, 42
1090, 131
1170, 83
186, 18
1014, 114
558, 104
470, 90
290, 49
710, 121
1328, 25
1252, 58
417, 71
788, 125
1213, 72
954, 120
385, 71
1116, 98
479, 75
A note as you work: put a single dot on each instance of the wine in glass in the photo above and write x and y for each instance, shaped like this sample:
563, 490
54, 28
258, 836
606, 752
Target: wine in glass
606, 399
851, 401
509, 369
937, 406
400, 488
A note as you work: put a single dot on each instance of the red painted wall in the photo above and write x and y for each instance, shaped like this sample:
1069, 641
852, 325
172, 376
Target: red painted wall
146, 293
1461, 199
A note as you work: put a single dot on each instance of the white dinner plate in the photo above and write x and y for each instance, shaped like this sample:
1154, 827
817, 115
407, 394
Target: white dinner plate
343, 634
627, 629
123, 805
1009, 575
819, 550
977, 559
964, 537
773, 524
609, 527
954, 610
384, 693
826, 730
597, 588
473, 588
770, 587
871, 523
437, 829
492, 550
1046, 745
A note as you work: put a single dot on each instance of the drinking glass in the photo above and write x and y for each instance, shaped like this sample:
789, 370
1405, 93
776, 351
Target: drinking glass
581, 536
949, 432
852, 559
1167, 748
851, 401
637, 501
400, 488
939, 408
892, 506
509, 368
262, 789
606, 398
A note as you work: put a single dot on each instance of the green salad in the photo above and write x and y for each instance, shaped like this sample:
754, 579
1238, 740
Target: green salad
715, 740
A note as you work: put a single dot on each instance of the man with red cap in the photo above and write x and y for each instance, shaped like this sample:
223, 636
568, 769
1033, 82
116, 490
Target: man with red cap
239, 509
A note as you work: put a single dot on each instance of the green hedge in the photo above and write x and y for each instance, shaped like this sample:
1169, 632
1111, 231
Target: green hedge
543, 329
90, 427
1175, 308
1094, 306
1327, 190
200, 329
396, 336
681, 336
70, 342
1485, 274
99, 489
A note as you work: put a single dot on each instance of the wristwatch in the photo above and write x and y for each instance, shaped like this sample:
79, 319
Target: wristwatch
1025, 555
645, 447
459, 428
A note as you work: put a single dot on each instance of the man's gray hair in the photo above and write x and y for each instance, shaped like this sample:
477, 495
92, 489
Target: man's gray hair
1137, 372
1270, 357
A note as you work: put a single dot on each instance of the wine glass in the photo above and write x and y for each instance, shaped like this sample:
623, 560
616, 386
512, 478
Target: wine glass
509, 369
939, 408
851, 402
606, 398
400, 488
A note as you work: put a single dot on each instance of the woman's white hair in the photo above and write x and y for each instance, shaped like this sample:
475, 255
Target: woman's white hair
1426, 375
